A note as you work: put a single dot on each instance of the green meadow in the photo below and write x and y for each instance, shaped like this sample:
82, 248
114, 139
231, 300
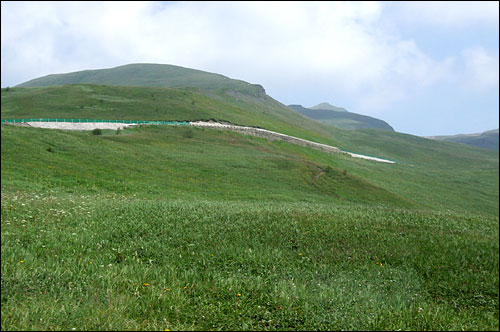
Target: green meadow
194, 229
184, 228
109, 262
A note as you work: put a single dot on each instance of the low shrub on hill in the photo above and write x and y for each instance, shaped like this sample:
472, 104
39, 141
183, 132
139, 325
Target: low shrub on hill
97, 131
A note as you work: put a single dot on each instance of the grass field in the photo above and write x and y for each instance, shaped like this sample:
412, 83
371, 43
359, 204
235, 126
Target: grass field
112, 262
183, 228
196, 229
174, 162
450, 175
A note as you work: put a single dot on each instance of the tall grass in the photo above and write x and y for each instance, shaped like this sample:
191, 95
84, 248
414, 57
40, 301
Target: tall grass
114, 262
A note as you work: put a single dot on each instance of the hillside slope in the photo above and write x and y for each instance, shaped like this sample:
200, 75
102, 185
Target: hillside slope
177, 162
340, 118
429, 171
433, 174
159, 103
440, 176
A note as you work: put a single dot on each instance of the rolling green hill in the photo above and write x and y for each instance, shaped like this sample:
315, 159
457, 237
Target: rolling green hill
437, 164
148, 74
340, 118
486, 140
185, 228
142, 90
178, 162
159, 103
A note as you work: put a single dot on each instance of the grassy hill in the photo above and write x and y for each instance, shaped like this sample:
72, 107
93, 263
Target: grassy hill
431, 172
184, 228
148, 103
158, 103
340, 118
486, 140
148, 74
177, 162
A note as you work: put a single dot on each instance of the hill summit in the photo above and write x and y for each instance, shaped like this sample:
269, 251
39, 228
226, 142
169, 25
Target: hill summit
149, 74
327, 106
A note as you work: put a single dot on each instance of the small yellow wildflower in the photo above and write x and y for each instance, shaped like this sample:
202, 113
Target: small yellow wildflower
21, 262
300, 254
185, 287
167, 289
238, 294
146, 284
166, 330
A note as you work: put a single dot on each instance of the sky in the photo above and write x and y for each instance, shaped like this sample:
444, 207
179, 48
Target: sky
426, 68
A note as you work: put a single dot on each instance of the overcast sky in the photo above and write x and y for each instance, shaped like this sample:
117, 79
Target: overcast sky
427, 68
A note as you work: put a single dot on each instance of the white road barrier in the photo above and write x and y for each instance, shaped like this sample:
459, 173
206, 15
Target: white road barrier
291, 139
264, 133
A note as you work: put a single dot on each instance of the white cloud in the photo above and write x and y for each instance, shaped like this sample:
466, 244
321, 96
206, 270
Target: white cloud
481, 70
451, 14
282, 45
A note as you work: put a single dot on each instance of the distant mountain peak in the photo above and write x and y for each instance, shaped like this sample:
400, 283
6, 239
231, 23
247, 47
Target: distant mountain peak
341, 118
327, 106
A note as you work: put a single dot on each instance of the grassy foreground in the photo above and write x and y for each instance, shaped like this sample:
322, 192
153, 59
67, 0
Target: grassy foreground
189, 229
109, 262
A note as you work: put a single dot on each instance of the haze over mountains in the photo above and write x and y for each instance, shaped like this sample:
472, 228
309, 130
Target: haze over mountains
486, 140
327, 106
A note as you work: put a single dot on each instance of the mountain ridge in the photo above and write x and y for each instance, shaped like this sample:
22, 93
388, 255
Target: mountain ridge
488, 139
341, 119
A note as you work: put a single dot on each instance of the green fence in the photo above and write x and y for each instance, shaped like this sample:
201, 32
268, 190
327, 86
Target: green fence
153, 122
